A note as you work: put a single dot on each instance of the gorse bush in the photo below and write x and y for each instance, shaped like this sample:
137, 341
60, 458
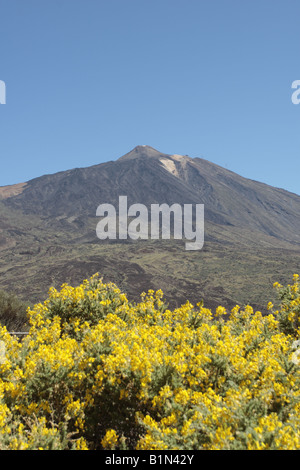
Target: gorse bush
99, 372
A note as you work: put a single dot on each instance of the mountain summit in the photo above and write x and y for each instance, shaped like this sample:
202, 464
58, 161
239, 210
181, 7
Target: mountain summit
142, 151
48, 230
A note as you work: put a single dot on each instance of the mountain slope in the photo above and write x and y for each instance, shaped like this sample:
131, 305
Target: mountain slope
48, 231
146, 176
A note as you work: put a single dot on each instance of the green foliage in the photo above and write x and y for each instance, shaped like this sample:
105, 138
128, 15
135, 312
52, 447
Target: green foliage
289, 307
12, 311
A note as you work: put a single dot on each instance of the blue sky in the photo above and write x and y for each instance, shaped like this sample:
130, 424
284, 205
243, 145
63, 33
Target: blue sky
88, 80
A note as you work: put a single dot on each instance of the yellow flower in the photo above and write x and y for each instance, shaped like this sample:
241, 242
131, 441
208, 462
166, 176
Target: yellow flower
220, 311
110, 439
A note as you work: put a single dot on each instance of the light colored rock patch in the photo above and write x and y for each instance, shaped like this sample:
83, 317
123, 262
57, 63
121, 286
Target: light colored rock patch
170, 166
178, 157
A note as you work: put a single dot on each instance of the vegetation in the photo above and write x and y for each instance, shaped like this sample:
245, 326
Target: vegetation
99, 372
12, 311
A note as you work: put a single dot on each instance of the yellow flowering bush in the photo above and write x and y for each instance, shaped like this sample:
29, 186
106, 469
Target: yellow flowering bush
99, 372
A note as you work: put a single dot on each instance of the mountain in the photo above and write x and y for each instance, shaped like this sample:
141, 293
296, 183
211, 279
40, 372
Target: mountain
252, 231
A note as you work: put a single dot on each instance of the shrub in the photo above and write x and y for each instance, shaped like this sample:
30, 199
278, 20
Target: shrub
99, 372
12, 311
